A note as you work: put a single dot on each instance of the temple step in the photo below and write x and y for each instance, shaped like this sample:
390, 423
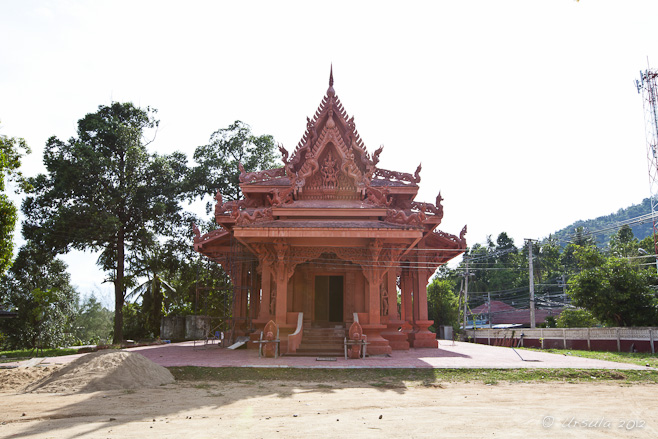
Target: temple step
321, 342
336, 354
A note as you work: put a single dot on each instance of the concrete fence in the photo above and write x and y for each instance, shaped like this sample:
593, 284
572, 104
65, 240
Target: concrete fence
184, 327
593, 339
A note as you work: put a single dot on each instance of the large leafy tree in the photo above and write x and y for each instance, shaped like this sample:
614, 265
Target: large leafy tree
623, 243
37, 288
104, 191
581, 238
93, 322
217, 162
576, 318
442, 302
11, 151
615, 290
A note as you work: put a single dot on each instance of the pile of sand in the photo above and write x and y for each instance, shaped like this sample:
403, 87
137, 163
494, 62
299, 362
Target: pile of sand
14, 380
104, 370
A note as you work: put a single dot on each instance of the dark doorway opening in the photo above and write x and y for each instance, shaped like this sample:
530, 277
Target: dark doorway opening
329, 299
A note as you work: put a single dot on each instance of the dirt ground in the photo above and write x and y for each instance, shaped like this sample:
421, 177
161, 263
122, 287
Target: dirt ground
253, 409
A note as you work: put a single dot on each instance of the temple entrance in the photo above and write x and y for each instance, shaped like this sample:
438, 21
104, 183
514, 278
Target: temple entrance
328, 299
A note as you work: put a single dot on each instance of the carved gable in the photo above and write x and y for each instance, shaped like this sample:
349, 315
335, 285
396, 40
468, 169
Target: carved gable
329, 180
331, 160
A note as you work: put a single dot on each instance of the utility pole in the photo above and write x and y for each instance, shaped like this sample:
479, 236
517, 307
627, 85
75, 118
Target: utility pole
531, 278
564, 288
467, 274
489, 307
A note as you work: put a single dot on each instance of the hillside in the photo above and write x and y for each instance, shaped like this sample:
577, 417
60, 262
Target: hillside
604, 226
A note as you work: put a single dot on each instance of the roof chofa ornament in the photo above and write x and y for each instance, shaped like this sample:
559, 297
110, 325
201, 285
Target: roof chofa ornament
330, 90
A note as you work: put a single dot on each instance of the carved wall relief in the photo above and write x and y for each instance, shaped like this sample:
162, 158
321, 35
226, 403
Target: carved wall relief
244, 217
329, 172
400, 217
251, 177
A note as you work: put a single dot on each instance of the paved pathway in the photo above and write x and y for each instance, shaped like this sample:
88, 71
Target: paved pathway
449, 355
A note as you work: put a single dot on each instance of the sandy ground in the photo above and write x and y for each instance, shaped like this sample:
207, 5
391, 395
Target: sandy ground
283, 409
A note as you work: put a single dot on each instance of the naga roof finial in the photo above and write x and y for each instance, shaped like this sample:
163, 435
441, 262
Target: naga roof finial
330, 90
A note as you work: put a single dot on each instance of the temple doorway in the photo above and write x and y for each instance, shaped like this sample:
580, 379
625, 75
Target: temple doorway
328, 299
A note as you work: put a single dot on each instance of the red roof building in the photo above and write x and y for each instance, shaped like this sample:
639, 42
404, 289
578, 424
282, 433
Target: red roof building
328, 238
504, 314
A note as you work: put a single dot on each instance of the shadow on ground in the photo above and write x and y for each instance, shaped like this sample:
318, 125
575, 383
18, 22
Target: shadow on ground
203, 389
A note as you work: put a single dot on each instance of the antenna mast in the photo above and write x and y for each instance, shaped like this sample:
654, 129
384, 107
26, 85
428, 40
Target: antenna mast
649, 89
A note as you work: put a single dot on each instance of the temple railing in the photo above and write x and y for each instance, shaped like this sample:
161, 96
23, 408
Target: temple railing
295, 339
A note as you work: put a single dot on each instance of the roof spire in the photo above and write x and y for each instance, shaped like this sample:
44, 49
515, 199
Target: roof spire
330, 90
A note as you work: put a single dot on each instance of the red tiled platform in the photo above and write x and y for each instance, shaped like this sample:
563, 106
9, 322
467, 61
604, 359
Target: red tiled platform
448, 355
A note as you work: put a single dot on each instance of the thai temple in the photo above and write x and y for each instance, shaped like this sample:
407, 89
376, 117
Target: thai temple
329, 239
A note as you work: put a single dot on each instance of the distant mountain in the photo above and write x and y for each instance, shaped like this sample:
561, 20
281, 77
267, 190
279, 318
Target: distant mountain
604, 226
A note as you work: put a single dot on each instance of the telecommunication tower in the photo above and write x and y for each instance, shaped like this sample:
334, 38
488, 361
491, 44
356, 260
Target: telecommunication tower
647, 86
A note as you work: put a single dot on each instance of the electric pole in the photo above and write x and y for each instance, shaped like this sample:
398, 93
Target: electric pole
531, 278
489, 307
564, 289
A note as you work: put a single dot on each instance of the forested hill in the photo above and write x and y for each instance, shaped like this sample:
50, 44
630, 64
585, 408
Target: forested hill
604, 226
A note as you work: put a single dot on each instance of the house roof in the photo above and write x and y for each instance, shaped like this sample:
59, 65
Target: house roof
502, 313
496, 306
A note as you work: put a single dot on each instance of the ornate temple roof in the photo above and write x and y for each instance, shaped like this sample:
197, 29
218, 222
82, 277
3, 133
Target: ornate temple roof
331, 180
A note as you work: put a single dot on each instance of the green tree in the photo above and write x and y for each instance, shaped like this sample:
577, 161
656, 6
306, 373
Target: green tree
93, 322
616, 291
134, 325
581, 238
442, 302
505, 274
103, 191
623, 243
217, 162
11, 151
548, 258
38, 289
576, 318
152, 293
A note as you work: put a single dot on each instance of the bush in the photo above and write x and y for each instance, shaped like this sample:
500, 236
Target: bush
576, 318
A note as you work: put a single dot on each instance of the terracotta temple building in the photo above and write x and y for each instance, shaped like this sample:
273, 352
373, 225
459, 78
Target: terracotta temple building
328, 239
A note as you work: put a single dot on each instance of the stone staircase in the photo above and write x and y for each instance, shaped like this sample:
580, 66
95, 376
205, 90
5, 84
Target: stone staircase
321, 342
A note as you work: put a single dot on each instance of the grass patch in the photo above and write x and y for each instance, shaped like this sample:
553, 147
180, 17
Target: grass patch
399, 378
639, 358
22, 354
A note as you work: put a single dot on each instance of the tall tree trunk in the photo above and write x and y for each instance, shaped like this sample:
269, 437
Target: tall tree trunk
118, 289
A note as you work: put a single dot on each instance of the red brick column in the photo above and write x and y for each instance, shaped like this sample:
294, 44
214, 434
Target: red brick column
397, 339
406, 301
423, 337
264, 314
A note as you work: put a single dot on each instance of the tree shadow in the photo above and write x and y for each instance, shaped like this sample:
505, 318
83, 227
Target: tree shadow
199, 389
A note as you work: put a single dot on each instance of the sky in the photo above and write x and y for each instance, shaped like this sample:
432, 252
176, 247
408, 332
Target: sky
524, 114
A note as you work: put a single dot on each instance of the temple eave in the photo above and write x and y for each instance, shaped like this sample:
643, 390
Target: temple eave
252, 232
